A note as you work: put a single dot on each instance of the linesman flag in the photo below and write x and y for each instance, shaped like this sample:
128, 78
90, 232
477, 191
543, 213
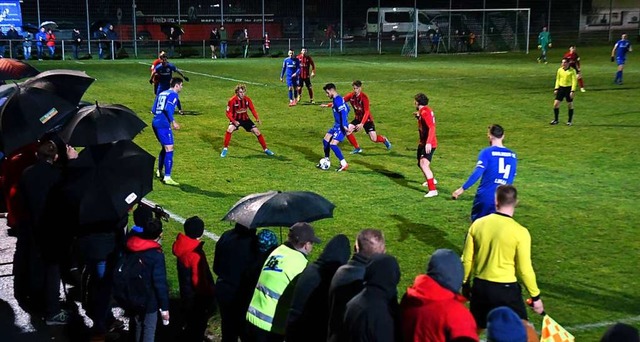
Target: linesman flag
553, 332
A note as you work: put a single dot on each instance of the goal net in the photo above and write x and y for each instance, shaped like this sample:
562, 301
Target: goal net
468, 30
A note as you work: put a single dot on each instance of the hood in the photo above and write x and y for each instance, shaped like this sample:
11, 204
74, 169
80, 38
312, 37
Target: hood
336, 252
138, 244
445, 267
383, 272
426, 288
185, 245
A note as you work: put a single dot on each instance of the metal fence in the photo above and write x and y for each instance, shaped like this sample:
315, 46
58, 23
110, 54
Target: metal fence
326, 27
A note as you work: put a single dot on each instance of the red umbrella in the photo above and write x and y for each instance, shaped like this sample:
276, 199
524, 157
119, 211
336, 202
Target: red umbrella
13, 69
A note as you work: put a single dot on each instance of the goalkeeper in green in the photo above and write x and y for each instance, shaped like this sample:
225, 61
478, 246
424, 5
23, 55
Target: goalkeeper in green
544, 43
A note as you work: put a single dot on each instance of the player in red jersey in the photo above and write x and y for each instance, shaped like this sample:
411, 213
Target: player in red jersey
363, 119
156, 77
237, 108
574, 62
307, 70
428, 141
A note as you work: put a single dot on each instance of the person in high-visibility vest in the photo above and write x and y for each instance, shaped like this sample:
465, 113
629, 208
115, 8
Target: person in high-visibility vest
281, 267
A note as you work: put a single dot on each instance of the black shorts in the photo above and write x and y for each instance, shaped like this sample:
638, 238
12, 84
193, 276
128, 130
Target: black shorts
564, 93
304, 82
368, 126
487, 295
247, 124
420, 153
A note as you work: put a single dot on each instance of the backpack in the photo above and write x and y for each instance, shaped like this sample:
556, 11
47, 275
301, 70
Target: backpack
130, 283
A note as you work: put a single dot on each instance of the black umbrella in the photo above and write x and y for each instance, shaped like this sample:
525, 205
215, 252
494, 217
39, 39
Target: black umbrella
30, 28
98, 24
100, 124
13, 69
107, 180
68, 84
39, 104
276, 208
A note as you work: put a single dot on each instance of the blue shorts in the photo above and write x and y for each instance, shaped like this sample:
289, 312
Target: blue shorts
292, 81
620, 61
164, 136
162, 87
336, 134
483, 205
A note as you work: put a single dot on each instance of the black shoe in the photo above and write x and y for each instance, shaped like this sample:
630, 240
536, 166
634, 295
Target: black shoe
554, 122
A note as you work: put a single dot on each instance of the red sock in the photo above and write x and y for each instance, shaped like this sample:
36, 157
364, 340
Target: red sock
227, 139
431, 184
310, 93
380, 139
262, 142
353, 141
581, 83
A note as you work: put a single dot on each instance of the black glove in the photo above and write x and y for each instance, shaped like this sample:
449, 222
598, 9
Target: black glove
151, 81
186, 78
612, 58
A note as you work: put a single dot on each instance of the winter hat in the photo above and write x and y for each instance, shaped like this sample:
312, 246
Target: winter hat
194, 227
142, 215
621, 332
446, 269
504, 325
267, 239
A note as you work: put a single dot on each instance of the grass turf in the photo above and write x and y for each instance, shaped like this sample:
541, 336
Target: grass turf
577, 184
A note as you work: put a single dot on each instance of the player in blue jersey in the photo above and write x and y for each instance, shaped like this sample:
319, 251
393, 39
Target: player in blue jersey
291, 68
340, 127
619, 54
163, 120
163, 73
497, 166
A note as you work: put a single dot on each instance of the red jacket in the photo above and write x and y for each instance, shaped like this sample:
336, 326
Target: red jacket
433, 313
192, 264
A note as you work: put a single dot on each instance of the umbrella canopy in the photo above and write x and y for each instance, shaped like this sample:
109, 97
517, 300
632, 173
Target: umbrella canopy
49, 25
13, 69
98, 24
107, 180
30, 28
38, 105
276, 208
101, 124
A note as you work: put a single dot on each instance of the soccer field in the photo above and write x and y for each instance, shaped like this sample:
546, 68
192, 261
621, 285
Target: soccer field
578, 185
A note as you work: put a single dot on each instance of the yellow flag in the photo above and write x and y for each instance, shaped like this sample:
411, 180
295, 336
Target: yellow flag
554, 332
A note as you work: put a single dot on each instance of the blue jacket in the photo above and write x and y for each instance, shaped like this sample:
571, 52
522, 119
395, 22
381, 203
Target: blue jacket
41, 38
152, 256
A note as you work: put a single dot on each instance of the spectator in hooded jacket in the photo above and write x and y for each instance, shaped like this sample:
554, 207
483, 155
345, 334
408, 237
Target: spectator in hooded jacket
51, 43
196, 281
432, 309
621, 332
348, 280
309, 308
373, 314
235, 251
147, 245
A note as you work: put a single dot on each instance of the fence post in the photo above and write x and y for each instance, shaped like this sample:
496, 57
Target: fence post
63, 55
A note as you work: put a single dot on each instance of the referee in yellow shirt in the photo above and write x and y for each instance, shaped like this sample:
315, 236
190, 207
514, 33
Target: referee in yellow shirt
497, 251
566, 83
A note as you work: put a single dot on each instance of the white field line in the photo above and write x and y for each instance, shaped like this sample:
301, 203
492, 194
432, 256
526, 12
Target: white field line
215, 76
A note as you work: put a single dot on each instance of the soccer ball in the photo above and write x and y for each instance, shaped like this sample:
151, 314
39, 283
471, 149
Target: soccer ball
324, 164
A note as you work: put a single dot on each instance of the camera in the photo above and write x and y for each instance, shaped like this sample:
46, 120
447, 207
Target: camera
158, 211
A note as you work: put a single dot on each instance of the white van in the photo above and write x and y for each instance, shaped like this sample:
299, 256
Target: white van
397, 22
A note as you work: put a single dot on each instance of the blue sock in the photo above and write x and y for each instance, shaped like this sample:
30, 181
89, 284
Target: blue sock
290, 95
619, 75
337, 152
161, 157
326, 148
168, 164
